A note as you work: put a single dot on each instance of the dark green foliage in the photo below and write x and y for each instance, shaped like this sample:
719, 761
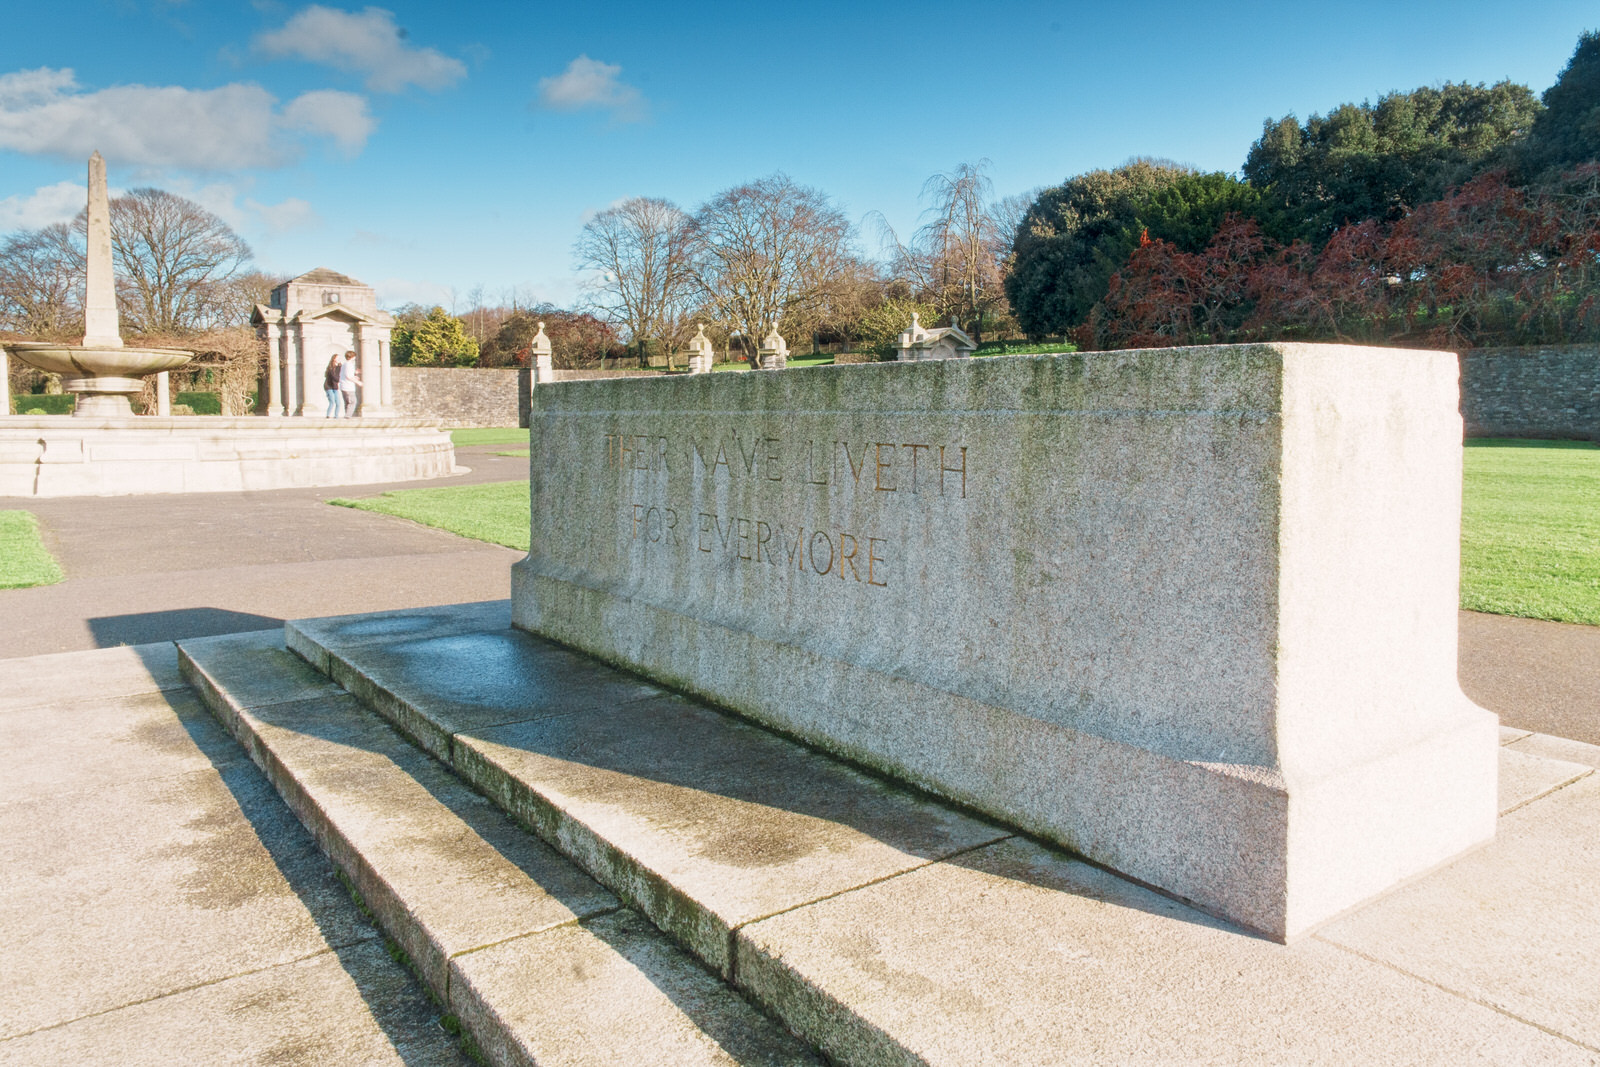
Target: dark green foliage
1077, 235
1568, 131
1365, 161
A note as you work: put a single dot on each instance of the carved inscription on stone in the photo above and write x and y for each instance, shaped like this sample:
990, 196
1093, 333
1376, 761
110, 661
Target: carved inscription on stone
911, 470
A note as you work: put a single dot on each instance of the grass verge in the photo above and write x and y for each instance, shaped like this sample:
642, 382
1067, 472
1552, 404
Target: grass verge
489, 435
23, 559
1530, 529
496, 512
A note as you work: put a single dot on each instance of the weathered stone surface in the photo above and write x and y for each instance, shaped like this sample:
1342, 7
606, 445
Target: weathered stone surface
706, 823
1188, 612
102, 744
42, 681
1557, 748
348, 1006
43, 456
1525, 776
444, 871
528, 950
1515, 925
1012, 954
610, 991
447, 679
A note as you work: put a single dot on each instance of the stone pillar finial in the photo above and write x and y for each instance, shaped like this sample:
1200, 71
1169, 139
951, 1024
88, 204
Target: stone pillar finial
542, 359
101, 328
701, 354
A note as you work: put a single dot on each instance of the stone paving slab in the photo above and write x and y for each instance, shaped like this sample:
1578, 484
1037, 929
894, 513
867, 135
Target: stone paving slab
468, 675
611, 991
38, 681
488, 914
700, 820
101, 743
1558, 748
169, 878
1525, 776
1515, 925
352, 1006
159, 902
705, 821
1017, 954
443, 869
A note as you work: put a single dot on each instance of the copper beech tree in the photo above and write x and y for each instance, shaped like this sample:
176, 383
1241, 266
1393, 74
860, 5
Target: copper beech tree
1487, 263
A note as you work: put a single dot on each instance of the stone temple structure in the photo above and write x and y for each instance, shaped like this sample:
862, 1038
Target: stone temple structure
312, 317
946, 342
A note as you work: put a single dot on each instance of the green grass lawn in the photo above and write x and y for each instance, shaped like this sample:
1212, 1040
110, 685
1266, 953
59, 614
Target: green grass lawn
1530, 529
496, 512
490, 435
23, 559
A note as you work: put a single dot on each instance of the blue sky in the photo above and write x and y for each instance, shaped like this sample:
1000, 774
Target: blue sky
425, 147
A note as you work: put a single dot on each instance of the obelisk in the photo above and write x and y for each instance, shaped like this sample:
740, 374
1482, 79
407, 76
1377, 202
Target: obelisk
100, 328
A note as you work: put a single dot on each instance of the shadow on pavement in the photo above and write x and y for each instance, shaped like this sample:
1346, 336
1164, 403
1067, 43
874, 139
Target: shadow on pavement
152, 627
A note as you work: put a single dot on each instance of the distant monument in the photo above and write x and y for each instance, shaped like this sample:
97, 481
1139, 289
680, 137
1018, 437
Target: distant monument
946, 342
309, 320
100, 370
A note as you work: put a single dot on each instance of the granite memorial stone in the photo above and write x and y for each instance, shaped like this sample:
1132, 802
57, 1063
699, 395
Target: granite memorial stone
1190, 612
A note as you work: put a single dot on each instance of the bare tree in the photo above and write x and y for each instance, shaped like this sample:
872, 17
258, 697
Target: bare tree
40, 282
960, 251
769, 251
175, 262
641, 281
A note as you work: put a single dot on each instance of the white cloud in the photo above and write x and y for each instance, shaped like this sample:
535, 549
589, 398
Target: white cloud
589, 83
392, 292
330, 113
45, 112
369, 43
48, 204
290, 214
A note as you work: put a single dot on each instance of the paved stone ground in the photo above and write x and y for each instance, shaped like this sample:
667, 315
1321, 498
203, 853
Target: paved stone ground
160, 904
163, 568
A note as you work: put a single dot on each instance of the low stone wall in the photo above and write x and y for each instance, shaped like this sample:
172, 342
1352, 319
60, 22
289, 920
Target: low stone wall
464, 396
50, 456
1551, 391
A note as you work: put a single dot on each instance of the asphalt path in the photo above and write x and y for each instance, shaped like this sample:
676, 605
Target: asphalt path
142, 569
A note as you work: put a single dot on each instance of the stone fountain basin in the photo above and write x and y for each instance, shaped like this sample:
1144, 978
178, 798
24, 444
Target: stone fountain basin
78, 361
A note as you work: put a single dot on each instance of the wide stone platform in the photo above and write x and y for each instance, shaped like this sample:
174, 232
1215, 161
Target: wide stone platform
880, 925
50, 456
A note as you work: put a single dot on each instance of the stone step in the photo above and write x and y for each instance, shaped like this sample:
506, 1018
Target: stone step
541, 964
885, 928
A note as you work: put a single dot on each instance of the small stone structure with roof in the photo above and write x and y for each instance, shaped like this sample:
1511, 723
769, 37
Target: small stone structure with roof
946, 342
312, 317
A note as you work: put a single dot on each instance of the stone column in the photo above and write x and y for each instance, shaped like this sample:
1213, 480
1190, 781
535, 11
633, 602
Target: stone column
163, 393
540, 357
5, 384
313, 405
374, 374
274, 369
